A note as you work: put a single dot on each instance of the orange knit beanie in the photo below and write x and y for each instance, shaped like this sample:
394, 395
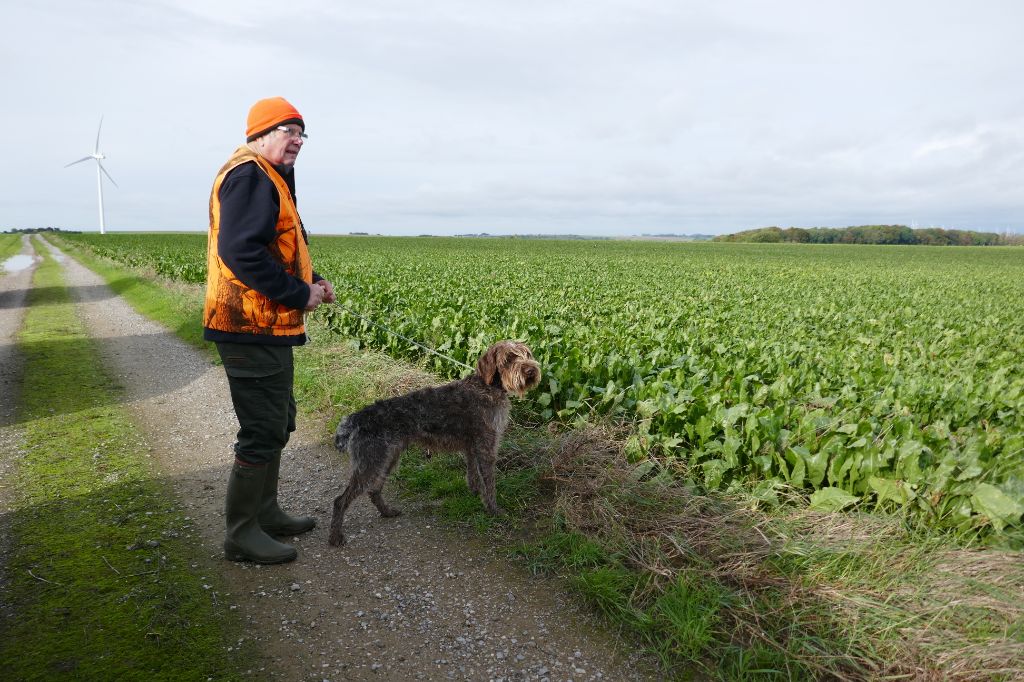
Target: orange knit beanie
269, 113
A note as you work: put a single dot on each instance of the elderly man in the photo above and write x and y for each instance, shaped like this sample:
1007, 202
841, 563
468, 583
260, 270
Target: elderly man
260, 283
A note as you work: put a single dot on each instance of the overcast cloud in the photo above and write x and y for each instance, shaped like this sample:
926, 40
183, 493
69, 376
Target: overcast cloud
590, 117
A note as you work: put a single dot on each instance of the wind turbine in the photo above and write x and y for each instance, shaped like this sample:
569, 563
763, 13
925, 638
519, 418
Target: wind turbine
98, 156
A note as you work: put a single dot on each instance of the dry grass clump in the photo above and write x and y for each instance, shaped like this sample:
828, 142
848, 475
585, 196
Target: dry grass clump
401, 380
957, 612
840, 596
663, 524
970, 608
845, 531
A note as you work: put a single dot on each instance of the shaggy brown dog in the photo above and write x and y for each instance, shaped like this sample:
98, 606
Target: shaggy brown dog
465, 416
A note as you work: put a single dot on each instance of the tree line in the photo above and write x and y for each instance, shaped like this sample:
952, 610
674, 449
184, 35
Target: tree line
37, 230
873, 234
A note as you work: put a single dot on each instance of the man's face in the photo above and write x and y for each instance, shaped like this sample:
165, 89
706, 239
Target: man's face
281, 146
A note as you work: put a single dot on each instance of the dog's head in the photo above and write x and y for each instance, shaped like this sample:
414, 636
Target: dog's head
512, 364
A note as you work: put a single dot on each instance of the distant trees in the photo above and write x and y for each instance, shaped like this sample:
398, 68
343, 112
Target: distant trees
869, 234
36, 230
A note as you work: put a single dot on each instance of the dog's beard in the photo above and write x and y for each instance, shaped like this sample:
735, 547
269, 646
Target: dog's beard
520, 377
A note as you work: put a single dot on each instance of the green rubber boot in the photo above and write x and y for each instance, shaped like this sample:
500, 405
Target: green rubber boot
273, 520
245, 540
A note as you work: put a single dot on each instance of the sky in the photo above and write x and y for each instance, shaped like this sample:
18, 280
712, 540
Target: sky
595, 117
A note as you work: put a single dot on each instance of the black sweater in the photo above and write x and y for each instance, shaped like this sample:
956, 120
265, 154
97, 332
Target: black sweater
249, 207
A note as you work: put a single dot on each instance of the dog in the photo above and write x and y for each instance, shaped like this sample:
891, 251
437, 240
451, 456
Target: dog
468, 416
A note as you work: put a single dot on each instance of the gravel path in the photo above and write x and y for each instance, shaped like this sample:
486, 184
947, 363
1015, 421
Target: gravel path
404, 600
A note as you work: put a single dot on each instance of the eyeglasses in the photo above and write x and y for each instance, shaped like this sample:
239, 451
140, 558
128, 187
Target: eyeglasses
293, 132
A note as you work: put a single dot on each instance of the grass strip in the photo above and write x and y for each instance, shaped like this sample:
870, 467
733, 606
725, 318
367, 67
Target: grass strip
105, 582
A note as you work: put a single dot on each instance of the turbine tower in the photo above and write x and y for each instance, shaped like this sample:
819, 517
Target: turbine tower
100, 172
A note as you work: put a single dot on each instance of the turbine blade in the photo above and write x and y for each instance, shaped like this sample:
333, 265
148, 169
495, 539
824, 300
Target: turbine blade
106, 173
84, 158
98, 129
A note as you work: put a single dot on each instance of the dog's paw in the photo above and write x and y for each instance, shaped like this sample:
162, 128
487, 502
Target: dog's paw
390, 513
336, 539
497, 511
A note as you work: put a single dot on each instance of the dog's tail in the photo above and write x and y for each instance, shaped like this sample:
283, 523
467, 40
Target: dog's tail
344, 432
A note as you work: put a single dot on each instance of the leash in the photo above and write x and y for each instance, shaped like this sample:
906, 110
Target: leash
404, 338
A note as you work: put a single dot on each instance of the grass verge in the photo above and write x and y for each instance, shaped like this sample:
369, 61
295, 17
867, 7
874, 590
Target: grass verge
791, 594
103, 580
10, 244
715, 586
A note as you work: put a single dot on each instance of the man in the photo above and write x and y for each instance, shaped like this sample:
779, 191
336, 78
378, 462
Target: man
260, 282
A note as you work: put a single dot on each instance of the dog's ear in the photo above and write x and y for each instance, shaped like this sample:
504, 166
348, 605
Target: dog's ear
487, 365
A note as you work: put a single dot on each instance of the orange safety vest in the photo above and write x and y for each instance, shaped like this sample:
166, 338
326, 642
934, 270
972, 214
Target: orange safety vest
230, 305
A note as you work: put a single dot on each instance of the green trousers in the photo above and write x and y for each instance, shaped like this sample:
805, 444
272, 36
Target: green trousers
261, 378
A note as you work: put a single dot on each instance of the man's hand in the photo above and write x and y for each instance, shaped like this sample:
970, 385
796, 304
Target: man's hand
329, 296
316, 296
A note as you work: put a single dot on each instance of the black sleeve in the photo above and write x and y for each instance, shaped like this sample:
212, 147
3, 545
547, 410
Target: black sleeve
249, 206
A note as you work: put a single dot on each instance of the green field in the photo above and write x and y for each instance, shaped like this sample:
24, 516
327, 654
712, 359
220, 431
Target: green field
856, 375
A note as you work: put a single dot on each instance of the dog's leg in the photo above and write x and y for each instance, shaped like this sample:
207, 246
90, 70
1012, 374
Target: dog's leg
382, 506
486, 458
378, 485
363, 459
354, 488
472, 471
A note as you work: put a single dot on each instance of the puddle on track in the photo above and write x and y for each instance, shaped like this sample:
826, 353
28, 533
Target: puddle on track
16, 263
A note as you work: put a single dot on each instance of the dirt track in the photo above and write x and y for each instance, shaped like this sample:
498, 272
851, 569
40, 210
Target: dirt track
404, 600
